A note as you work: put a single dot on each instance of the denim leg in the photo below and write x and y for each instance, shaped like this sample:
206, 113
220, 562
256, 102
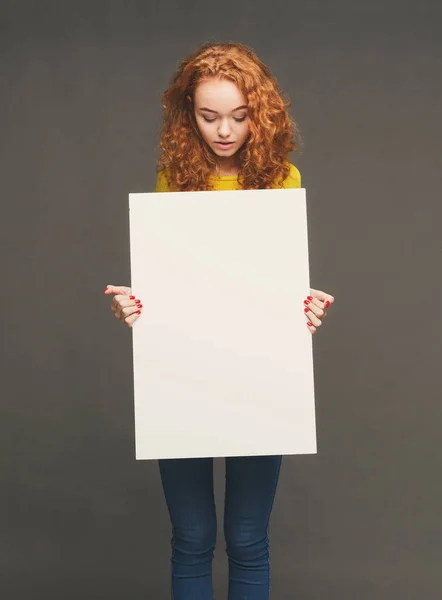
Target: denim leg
188, 489
250, 490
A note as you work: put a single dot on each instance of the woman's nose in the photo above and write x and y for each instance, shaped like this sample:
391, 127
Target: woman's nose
224, 129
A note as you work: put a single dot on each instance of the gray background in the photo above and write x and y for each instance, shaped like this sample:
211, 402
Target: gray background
79, 119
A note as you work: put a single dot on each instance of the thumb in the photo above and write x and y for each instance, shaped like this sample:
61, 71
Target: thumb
118, 289
320, 295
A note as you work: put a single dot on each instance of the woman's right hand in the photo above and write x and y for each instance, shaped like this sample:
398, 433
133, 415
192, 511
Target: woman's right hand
125, 306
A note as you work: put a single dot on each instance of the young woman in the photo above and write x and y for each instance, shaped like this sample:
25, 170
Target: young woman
226, 127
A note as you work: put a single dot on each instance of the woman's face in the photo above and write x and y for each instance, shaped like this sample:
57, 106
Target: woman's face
221, 115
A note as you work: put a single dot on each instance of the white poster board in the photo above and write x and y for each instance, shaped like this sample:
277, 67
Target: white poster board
222, 355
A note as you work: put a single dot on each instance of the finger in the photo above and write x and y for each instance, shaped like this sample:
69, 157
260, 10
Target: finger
311, 327
130, 320
118, 289
322, 296
328, 302
125, 300
314, 302
316, 307
128, 311
124, 308
318, 311
116, 307
119, 302
312, 318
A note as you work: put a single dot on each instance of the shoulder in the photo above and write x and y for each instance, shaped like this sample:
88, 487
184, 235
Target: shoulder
162, 184
293, 179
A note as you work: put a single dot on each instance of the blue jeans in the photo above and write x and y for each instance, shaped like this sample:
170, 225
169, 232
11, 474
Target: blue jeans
250, 490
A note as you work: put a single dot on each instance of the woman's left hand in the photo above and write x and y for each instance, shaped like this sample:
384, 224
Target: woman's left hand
315, 308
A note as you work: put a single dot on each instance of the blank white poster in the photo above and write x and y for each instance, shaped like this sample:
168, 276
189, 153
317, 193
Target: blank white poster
222, 355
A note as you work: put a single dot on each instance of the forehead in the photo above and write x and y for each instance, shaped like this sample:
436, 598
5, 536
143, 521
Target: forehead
219, 95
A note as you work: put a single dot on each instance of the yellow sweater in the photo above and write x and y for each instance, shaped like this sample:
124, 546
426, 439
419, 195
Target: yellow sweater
230, 182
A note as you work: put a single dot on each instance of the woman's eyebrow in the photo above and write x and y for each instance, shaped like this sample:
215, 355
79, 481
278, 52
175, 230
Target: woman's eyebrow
215, 113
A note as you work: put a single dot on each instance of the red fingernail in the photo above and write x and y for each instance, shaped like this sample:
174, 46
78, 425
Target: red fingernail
306, 302
306, 310
327, 304
140, 305
309, 297
131, 297
138, 312
310, 324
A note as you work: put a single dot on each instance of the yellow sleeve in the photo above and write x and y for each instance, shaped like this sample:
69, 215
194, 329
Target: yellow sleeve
162, 184
293, 179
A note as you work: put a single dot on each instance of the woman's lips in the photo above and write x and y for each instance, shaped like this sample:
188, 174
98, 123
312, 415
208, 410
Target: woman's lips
224, 145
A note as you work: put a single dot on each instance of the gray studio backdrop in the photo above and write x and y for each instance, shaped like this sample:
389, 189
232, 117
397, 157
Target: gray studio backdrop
79, 122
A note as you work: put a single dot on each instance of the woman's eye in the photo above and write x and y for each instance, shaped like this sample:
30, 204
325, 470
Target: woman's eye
237, 119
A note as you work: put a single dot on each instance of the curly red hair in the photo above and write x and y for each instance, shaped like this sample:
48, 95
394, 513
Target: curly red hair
187, 159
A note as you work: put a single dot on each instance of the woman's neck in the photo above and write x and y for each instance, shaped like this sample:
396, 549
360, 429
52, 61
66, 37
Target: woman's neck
227, 166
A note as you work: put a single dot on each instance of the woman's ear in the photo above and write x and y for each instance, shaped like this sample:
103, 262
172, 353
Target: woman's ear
189, 99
